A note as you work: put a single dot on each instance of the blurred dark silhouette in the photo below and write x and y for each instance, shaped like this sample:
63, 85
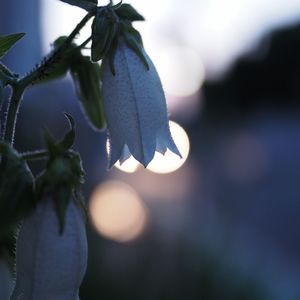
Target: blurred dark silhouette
266, 79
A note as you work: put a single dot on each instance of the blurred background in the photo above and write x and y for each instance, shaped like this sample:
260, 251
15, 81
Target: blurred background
223, 223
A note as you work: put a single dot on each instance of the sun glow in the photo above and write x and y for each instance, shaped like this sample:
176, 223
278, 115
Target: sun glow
117, 211
163, 164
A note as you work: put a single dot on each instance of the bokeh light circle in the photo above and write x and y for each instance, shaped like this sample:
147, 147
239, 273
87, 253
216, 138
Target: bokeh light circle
171, 162
180, 68
162, 164
117, 211
131, 165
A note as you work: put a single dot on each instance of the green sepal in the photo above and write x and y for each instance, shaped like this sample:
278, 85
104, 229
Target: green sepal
111, 57
127, 12
62, 197
61, 179
69, 138
87, 79
88, 5
63, 176
79, 200
59, 148
17, 196
104, 31
127, 28
132, 42
7, 41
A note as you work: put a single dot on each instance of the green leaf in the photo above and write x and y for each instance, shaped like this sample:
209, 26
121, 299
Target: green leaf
127, 12
16, 186
7, 41
88, 5
87, 80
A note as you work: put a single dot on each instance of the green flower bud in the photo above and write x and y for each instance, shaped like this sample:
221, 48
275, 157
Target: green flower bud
63, 176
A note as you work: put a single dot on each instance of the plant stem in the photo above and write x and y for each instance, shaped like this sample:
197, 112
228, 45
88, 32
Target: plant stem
35, 155
55, 55
85, 43
6, 71
13, 108
20, 85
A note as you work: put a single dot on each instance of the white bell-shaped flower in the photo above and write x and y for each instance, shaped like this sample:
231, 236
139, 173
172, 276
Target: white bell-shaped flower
135, 108
50, 266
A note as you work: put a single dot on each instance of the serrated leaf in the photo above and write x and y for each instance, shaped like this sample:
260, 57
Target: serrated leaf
16, 186
69, 138
88, 5
87, 80
127, 12
7, 41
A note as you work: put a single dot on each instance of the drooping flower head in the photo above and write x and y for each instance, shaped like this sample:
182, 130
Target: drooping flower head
134, 101
135, 108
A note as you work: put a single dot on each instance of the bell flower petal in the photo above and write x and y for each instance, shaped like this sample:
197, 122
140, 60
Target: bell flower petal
135, 108
50, 266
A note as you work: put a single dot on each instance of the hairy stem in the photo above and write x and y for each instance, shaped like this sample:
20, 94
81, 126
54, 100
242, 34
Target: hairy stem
55, 55
84, 43
6, 71
13, 108
20, 85
35, 155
